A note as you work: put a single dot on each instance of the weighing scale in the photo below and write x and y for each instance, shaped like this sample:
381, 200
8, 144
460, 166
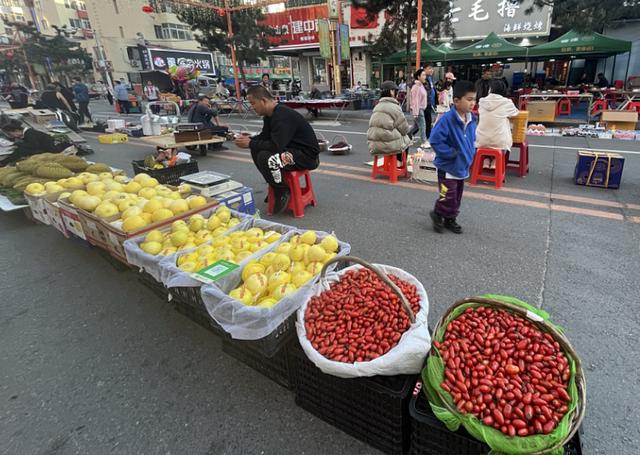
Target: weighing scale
209, 183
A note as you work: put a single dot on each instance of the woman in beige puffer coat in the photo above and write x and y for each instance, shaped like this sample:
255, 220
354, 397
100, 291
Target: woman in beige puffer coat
388, 127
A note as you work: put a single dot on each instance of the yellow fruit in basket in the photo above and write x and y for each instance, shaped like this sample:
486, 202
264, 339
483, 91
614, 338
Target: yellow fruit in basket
196, 224
199, 240
273, 236
73, 183
179, 238
189, 267
205, 250
147, 193
252, 268
76, 195
162, 190
161, 215
299, 279
131, 211
133, 223
267, 259
88, 177
89, 203
184, 188
242, 294
153, 248
196, 201
54, 188
106, 210
297, 267
35, 189
315, 254
219, 241
281, 262
105, 176
256, 283
213, 222
154, 236
314, 268
217, 232
146, 217
282, 291
254, 232
174, 195
188, 257
152, 206
132, 187
121, 178
330, 244
297, 252
140, 177
233, 222
149, 183
94, 188
224, 213
278, 279
308, 237
179, 225
166, 251
228, 256
166, 202
266, 302
295, 240
125, 204
112, 185
179, 206
64, 195
239, 244
283, 248
260, 245
242, 255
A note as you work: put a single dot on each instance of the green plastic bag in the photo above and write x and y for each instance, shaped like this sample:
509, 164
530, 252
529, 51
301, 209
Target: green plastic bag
500, 444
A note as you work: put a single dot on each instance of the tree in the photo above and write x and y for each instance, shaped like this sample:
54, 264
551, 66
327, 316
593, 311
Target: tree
402, 20
588, 15
250, 37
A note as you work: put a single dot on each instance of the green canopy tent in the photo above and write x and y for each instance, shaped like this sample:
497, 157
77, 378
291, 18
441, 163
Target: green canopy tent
574, 45
490, 48
428, 53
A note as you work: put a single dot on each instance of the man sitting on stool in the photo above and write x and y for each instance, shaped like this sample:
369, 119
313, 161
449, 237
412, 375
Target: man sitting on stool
202, 113
287, 143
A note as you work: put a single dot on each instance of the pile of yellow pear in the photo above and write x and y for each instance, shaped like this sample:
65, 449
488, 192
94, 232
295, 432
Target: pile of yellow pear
64, 187
281, 272
183, 235
235, 247
135, 204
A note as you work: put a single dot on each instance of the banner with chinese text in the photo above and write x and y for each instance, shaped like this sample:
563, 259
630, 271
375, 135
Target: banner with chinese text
325, 39
296, 27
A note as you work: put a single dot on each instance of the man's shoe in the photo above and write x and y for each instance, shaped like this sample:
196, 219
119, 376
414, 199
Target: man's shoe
281, 200
453, 226
437, 220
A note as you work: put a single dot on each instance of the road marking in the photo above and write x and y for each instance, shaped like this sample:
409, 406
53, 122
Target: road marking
482, 196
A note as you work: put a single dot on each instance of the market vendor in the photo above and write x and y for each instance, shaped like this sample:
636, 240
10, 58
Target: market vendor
29, 141
287, 142
202, 112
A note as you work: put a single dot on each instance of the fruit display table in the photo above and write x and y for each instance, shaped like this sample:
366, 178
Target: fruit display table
168, 141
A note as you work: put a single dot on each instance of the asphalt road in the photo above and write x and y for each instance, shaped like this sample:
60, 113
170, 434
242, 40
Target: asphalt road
94, 363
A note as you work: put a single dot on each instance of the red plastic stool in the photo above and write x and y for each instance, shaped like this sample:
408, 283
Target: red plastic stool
300, 196
563, 107
633, 106
522, 163
599, 106
390, 168
498, 175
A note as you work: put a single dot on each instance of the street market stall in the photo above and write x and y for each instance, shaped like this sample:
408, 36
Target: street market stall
318, 105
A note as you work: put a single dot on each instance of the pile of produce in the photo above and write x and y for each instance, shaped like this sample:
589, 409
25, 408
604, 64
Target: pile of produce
235, 248
282, 271
502, 369
359, 318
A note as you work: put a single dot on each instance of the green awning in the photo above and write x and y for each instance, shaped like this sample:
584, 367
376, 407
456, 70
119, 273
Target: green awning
428, 53
573, 43
491, 48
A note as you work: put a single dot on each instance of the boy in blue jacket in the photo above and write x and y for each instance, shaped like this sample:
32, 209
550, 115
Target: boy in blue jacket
452, 140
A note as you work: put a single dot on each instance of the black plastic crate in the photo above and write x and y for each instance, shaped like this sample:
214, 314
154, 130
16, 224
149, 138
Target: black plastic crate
429, 436
150, 283
277, 368
168, 175
273, 343
374, 410
188, 301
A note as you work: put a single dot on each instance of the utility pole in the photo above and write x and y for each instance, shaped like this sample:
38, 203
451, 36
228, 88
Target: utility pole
234, 60
419, 35
102, 60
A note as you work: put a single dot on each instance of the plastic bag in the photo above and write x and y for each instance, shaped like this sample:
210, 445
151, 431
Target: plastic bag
173, 277
407, 357
433, 375
245, 322
153, 264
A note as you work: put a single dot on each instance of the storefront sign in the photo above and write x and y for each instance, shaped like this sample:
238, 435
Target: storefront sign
163, 59
296, 27
475, 19
343, 39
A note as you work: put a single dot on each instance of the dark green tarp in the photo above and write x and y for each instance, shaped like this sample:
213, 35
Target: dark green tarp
491, 48
574, 44
428, 53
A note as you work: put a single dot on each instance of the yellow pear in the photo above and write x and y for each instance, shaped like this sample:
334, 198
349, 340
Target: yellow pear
330, 244
132, 187
152, 206
252, 268
196, 201
242, 294
131, 211
153, 248
179, 206
308, 237
106, 210
147, 193
154, 236
161, 215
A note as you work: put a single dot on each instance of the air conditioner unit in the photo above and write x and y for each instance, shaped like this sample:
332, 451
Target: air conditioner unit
134, 63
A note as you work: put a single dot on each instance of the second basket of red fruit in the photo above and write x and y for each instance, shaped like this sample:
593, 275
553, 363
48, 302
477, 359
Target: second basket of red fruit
365, 320
502, 370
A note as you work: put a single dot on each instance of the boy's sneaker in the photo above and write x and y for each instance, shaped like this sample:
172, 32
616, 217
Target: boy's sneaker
453, 226
438, 222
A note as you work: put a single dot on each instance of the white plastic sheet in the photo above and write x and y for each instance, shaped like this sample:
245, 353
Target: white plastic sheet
407, 357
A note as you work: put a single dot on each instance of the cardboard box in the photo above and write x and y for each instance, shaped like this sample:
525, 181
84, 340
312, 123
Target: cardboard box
192, 136
52, 208
541, 111
36, 204
89, 224
241, 200
72, 223
599, 169
619, 117
42, 116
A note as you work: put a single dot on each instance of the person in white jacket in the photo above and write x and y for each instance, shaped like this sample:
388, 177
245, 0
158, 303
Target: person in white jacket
494, 128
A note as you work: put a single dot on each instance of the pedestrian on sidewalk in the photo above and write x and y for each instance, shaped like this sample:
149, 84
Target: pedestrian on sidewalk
453, 140
494, 127
152, 94
388, 128
286, 143
432, 99
418, 103
81, 94
122, 96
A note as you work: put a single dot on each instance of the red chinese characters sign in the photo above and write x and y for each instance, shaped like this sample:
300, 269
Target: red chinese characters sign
296, 27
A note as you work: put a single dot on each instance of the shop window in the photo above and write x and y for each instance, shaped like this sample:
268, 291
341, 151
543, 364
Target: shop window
319, 70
